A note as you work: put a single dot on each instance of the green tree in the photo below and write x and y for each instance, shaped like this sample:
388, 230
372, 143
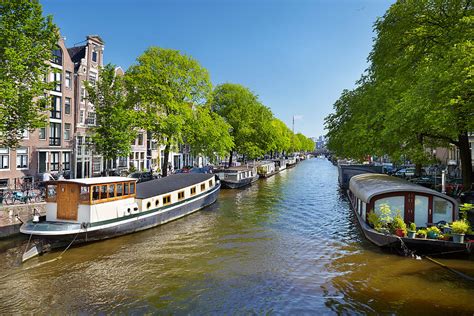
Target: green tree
417, 93
282, 137
208, 134
27, 40
115, 119
164, 85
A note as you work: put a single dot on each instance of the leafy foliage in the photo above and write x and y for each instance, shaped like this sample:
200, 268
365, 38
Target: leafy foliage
26, 43
115, 119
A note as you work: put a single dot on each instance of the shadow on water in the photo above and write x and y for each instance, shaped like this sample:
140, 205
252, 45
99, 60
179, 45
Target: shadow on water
285, 245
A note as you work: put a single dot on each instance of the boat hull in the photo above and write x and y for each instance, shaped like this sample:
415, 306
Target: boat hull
238, 184
80, 233
427, 247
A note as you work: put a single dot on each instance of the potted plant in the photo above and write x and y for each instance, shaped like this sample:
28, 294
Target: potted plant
421, 233
399, 227
433, 232
412, 230
459, 229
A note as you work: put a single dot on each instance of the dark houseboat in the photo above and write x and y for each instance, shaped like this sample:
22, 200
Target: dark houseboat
416, 204
237, 177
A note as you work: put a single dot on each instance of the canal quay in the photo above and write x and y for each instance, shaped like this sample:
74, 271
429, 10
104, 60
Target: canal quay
285, 245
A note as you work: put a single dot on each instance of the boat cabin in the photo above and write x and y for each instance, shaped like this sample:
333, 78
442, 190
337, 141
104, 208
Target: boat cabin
90, 200
236, 173
266, 168
416, 204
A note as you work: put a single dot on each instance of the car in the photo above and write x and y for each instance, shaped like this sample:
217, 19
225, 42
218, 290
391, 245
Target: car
467, 197
142, 176
405, 172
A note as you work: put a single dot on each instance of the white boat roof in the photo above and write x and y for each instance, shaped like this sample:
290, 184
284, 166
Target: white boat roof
97, 180
367, 185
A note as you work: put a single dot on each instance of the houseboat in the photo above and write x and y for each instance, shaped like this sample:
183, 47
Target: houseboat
236, 177
291, 162
266, 169
280, 164
415, 204
83, 210
348, 170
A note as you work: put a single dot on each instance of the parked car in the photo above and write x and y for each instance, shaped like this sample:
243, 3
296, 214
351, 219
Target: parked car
405, 172
467, 197
142, 176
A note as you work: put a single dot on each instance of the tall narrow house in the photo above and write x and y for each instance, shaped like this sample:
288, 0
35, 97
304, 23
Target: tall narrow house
87, 59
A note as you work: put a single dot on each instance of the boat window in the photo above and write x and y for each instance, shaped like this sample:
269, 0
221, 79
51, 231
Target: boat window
396, 203
126, 188
193, 190
95, 193
364, 210
180, 195
103, 192
421, 210
85, 194
359, 207
210, 183
157, 202
132, 187
111, 190
148, 205
203, 187
51, 193
166, 199
119, 187
442, 210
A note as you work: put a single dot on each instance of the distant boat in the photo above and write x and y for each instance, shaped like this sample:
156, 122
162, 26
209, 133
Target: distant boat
236, 177
83, 210
347, 171
419, 205
280, 164
266, 169
291, 162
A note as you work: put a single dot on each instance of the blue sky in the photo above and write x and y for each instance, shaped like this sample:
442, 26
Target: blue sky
297, 55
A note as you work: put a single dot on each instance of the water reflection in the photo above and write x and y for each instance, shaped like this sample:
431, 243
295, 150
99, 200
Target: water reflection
285, 245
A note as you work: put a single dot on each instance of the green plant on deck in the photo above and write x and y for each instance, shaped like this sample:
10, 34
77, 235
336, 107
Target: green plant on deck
464, 208
398, 223
374, 220
433, 231
385, 215
421, 233
412, 227
460, 227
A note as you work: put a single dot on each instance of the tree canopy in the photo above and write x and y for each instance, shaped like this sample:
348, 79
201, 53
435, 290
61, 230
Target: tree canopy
418, 91
27, 40
116, 124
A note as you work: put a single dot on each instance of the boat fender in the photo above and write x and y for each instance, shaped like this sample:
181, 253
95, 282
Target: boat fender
85, 225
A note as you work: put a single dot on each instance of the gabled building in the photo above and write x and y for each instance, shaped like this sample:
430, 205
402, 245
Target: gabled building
48, 149
87, 59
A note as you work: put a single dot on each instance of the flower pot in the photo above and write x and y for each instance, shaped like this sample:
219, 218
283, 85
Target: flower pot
458, 238
399, 232
411, 234
432, 235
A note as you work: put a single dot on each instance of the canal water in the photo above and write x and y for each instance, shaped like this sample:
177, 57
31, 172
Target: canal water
286, 245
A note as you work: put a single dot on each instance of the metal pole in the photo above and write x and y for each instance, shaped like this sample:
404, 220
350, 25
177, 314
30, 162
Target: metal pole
443, 181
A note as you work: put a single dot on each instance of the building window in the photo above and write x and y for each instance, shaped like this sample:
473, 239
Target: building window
83, 93
94, 54
55, 134
67, 131
56, 108
42, 133
67, 106
140, 139
22, 158
54, 161
142, 155
81, 116
4, 158
180, 195
167, 200
56, 78
68, 80
57, 57
92, 78
66, 161
25, 134
90, 118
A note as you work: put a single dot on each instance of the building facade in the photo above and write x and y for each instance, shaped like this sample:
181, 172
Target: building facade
48, 149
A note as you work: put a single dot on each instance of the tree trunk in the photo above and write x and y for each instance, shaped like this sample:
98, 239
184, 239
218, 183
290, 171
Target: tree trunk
230, 158
466, 162
418, 165
165, 160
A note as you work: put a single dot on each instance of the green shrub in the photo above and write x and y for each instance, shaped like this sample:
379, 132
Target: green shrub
412, 227
460, 227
